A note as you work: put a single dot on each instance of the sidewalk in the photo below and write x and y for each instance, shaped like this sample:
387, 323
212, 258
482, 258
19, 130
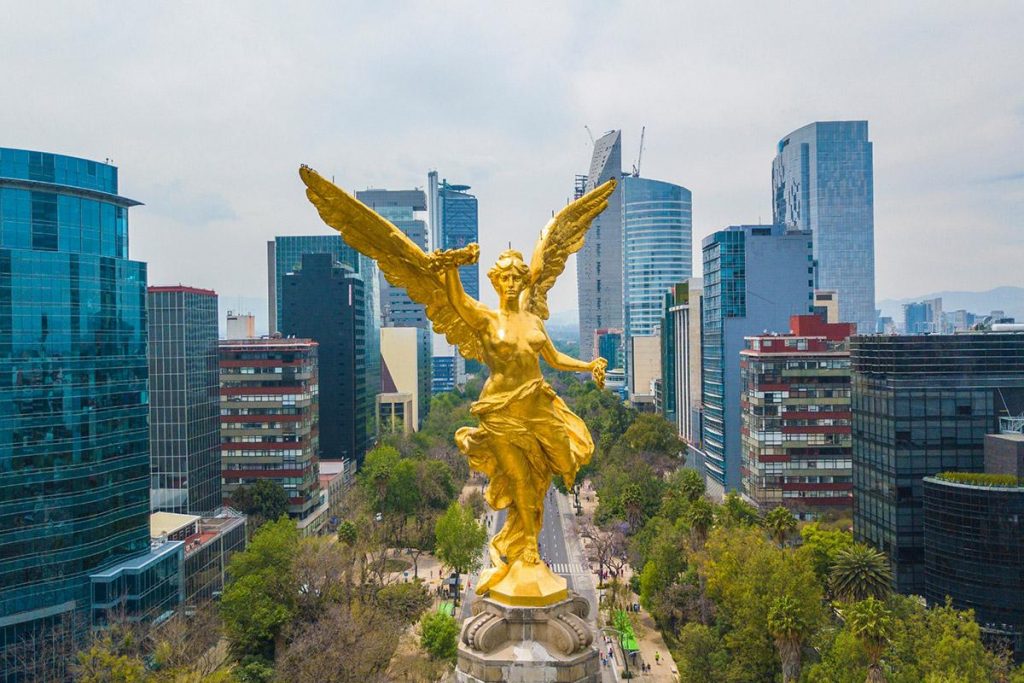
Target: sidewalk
648, 636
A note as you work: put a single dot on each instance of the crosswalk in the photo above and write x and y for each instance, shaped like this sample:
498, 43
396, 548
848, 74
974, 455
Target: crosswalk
568, 568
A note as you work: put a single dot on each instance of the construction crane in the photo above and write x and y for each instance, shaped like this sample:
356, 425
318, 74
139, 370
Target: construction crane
589, 133
640, 154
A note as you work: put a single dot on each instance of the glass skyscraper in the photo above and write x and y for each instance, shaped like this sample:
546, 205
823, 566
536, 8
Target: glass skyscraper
599, 262
823, 181
285, 256
184, 406
454, 224
74, 432
656, 252
755, 278
923, 405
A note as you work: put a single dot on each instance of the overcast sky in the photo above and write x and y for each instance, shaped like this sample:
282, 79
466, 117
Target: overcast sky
208, 109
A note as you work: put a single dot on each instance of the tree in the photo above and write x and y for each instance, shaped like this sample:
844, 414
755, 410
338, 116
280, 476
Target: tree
745, 574
347, 532
871, 622
786, 625
263, 501
780, 523
822, 546
700, 654
260, 598
652, 433
439, 635
860, 572
734, 512
407, 601
460, 539
700, 516
102, 662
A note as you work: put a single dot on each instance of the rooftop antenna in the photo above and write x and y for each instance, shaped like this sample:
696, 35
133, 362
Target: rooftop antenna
640, 154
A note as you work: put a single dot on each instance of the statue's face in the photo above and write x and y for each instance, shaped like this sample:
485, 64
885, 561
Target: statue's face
509, 284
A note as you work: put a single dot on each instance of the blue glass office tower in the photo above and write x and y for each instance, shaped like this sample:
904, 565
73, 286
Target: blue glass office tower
455, 223
823, 181
657, 227
755, 278
74, 435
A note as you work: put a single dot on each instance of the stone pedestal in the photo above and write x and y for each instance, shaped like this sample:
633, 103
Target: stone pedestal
549, 644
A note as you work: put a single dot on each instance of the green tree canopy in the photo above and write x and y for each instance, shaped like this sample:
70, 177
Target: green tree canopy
460, 539
439, 634
265, 500
780, 523
260, 597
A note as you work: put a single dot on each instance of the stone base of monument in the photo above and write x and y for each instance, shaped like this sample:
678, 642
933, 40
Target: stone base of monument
547, 644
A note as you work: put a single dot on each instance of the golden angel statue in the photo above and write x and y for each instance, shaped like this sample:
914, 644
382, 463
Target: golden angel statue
527, 434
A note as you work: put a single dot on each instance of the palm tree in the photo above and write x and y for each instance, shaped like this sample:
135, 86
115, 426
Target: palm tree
780, 523
788, 629
632, 503
861, 572
871, 621
700, 516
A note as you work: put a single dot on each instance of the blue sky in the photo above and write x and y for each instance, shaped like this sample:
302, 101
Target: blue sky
209, 108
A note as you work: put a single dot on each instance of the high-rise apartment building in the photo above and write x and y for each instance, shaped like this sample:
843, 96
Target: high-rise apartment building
184, 400
823, 181
599, 262
324, 301
755, 278
401, 208
74, 406
610, 346
269, 419
796, 419
923, 405
657, 249
683, 343
454, 223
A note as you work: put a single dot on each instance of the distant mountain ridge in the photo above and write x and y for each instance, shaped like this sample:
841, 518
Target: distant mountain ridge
1007, 298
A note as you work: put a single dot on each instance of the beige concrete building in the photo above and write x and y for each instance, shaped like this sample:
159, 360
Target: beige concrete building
405, 352
393, 412
826, 301
645, 368
241, 326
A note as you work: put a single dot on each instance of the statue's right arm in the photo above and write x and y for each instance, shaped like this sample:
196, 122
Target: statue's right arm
469, 309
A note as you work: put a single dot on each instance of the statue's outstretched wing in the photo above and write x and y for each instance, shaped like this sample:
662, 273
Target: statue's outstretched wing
563, 235
403, 263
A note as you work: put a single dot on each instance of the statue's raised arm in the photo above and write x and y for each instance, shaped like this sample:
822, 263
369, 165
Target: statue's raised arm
403, 263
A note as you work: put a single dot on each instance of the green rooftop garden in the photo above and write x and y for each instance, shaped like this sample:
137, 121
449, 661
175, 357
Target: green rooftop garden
979, 478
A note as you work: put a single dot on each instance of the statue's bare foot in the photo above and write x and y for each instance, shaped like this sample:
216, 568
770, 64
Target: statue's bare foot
530, 556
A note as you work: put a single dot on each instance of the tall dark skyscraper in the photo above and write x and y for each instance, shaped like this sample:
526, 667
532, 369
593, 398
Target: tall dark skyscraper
323, 301
285, 256
454, 224
823, 181
923, 405
599, 262
755, 278
400, 207
184, 400
74, 430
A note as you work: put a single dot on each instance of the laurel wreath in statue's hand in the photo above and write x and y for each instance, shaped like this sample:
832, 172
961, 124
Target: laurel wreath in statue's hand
442, 260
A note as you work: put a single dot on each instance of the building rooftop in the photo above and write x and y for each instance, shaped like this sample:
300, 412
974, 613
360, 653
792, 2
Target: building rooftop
161, 523
180, 288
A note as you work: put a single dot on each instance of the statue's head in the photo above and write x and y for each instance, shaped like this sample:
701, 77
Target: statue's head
509, 275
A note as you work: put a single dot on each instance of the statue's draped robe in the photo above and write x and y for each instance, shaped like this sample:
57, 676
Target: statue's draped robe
551, 438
